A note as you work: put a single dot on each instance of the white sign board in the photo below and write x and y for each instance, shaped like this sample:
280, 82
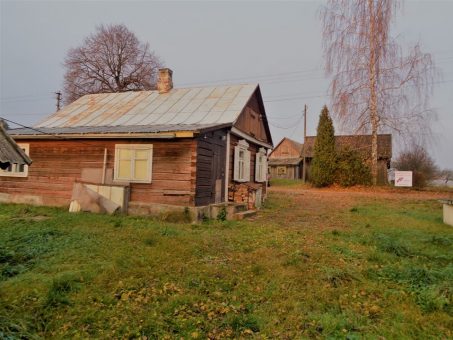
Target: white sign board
403, 178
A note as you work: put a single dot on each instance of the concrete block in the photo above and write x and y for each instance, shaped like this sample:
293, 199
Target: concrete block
448, 214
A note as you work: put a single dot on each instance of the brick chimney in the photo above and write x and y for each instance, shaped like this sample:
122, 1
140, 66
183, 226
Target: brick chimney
165, 81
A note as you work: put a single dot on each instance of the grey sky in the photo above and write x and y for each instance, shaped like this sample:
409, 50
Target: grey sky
277, 44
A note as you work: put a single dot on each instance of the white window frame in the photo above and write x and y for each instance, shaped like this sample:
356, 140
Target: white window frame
14, 167
133, 147
261, 166
241, 164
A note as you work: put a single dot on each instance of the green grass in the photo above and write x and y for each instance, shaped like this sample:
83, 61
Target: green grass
377, 268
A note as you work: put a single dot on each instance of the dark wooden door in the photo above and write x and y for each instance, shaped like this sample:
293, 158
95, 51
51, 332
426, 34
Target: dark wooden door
211, 160
218, 174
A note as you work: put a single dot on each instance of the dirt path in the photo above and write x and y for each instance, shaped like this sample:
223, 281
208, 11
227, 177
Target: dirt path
317, 205
345, 195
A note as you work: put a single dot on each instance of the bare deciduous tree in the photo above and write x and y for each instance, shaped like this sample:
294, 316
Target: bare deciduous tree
446, 175
375, 86
110, 60
417, 160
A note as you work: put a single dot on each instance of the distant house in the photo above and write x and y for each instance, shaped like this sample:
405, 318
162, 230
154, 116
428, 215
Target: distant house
13, 158
362, 144
170, 148
285, 161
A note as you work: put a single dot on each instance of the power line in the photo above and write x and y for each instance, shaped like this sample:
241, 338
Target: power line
41, 94
262, 76
25, 99
40, 131
295, 98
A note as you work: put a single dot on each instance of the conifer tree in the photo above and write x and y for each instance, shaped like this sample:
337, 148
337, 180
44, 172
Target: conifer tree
324, 159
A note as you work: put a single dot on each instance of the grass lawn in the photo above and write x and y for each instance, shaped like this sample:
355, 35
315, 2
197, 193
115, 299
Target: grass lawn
311, 264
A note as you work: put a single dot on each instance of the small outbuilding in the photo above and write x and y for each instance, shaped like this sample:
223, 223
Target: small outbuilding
13, 158
285, 161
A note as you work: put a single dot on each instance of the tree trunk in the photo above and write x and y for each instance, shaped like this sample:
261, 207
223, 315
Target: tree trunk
374, 118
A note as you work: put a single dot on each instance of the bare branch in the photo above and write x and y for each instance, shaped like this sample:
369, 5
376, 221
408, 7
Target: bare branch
375, 87
110, 60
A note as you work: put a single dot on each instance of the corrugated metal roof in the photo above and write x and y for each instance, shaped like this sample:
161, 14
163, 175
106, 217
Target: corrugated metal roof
176, 110
10, 152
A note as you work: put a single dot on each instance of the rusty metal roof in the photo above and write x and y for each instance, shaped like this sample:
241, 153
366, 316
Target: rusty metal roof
10, 152
178, 109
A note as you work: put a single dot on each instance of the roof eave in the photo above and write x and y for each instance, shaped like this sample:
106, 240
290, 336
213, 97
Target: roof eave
129, 135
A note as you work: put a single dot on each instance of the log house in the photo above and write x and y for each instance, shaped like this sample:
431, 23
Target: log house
171, 148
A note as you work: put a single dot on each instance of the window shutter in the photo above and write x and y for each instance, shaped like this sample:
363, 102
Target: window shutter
247, 166
236, 164
261, 166
257, 168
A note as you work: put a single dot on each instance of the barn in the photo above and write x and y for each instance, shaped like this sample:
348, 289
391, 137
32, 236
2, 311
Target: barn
285, 161
149, 151
362, 144
13, 159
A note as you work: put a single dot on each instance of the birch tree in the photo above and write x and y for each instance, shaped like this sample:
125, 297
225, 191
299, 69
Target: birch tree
375, 87
110, 60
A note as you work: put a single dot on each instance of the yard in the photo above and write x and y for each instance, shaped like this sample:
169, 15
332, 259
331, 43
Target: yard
312, 264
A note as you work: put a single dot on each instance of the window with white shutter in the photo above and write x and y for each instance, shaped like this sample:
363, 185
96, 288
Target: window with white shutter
261, 166
241, 162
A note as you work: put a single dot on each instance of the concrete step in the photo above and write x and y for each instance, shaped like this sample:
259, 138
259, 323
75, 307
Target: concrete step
244, 214
240, 207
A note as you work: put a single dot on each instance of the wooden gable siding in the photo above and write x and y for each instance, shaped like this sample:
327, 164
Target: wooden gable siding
286, 149
251, 121
57, 164
211, 158
291, 171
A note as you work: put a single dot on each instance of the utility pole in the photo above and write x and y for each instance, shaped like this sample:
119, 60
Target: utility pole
304, 169
58, 100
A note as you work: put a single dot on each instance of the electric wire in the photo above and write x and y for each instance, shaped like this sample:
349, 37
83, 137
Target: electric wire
42, 132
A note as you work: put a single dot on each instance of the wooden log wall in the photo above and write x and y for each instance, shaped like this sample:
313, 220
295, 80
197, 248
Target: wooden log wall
58, 163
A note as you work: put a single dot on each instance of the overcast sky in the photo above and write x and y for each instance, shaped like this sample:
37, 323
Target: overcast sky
275, 44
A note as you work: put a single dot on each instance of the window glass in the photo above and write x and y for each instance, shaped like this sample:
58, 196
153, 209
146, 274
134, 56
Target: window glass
141, 167
133, 162
125, 154
124, 170
141, 154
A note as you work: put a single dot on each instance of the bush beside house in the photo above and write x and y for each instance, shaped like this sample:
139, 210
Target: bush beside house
344, 166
